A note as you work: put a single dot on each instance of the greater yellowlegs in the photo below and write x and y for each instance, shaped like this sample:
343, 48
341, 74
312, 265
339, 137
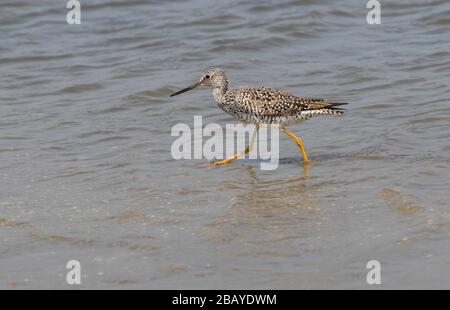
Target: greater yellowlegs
262, 105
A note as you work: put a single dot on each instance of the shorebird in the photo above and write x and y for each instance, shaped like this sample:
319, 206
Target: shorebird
262, 105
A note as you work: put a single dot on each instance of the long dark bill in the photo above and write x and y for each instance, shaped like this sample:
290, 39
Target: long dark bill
186, 89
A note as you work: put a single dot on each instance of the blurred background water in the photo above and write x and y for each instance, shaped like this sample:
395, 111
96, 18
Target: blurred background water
86, 171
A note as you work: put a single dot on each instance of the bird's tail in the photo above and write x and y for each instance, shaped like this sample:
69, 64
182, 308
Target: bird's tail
333, 108
336, 108
336, 104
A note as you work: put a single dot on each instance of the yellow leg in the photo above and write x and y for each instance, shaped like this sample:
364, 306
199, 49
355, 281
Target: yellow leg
299, 143
231, 158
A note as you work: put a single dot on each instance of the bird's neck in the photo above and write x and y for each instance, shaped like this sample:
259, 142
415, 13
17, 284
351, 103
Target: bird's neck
220, 91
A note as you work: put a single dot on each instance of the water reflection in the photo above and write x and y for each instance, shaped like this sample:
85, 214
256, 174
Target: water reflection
266, 212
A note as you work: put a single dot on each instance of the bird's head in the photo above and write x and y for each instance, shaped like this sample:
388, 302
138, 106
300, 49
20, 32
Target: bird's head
212, 77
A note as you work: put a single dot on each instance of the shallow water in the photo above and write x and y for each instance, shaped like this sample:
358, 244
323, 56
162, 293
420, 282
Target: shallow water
86, 170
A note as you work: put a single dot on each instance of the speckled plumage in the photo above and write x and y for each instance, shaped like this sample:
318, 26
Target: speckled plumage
262, 105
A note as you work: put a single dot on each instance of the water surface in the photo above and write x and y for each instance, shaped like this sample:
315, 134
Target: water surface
86, 171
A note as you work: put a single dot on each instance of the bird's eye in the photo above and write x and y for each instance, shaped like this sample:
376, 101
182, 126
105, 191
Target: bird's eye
207, 76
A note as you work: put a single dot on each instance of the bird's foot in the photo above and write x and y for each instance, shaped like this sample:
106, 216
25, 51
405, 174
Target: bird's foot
219, 162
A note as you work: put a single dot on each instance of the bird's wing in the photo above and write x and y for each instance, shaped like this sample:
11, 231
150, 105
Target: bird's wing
273, 102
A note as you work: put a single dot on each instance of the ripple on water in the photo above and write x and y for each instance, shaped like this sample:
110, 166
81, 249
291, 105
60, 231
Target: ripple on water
86, 163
